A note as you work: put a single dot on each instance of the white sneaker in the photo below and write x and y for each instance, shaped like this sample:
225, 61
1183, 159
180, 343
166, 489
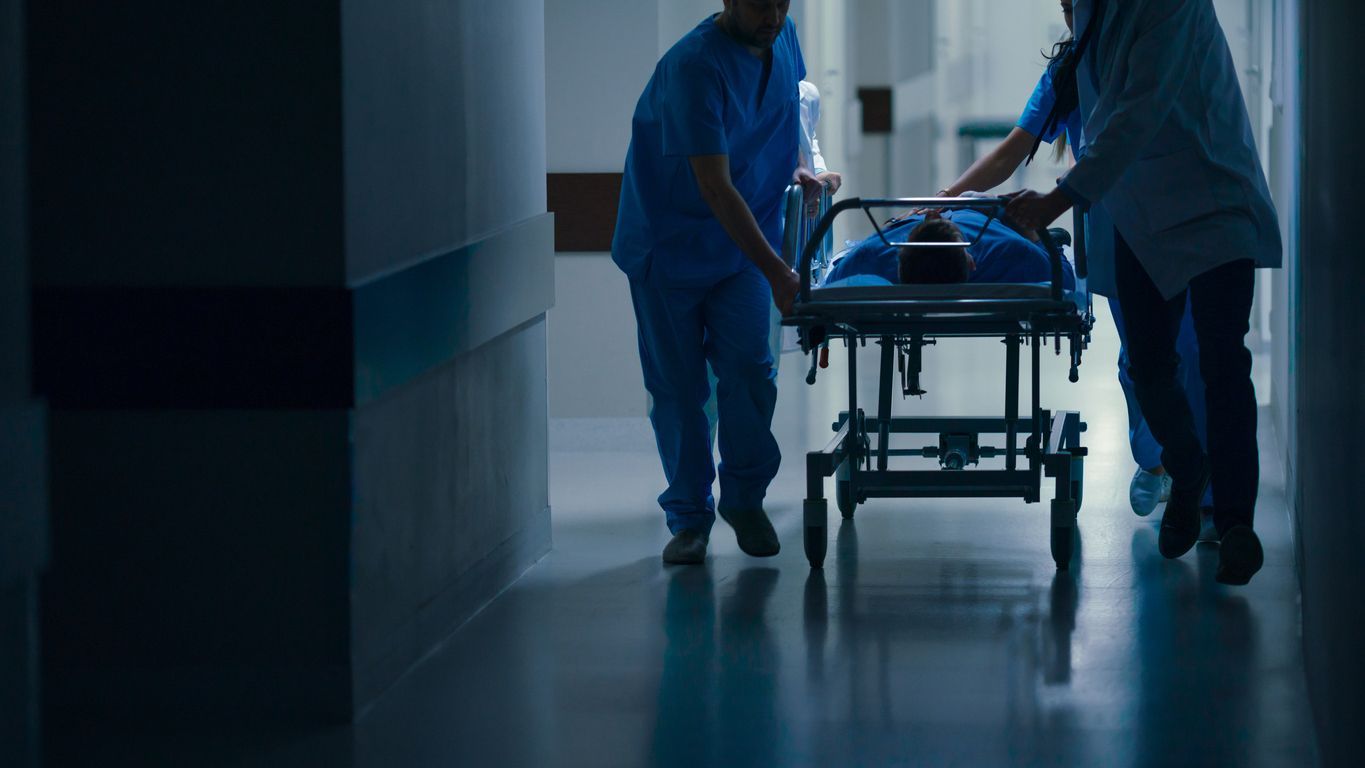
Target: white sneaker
1147, 490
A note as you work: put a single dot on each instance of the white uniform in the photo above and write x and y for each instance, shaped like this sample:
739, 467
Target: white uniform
810, 117
1170, 157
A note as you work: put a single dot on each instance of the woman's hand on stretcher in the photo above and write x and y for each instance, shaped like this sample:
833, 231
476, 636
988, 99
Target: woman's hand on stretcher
830, 181
811, 187
1033, 210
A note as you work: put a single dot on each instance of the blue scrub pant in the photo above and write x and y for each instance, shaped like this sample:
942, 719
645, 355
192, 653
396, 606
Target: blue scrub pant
774, 347
1146, 449
681, 329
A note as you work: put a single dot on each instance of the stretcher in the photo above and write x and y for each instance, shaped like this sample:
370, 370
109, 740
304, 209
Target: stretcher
900, 320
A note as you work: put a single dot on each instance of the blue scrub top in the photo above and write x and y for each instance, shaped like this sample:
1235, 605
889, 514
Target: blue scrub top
1001, 254
704, 99
1036, 112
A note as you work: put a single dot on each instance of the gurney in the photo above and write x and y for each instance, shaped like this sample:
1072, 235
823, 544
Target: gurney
901, 320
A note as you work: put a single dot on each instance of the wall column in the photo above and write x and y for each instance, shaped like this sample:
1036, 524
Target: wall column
1329, 366
23, 525
291, 268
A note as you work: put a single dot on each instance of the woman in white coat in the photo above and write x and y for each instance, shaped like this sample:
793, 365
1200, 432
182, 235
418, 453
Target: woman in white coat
1171, 161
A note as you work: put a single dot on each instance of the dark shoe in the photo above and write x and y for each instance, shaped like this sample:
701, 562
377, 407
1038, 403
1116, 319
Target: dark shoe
687, 547
1180, 523
1239, 556
753, 531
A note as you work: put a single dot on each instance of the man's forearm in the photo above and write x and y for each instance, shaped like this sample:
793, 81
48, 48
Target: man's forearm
739, 222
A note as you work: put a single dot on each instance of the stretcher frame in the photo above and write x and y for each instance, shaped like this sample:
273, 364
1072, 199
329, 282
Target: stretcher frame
902, 320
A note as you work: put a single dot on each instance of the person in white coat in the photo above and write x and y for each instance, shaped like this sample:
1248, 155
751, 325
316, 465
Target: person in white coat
1171, 161
810, 144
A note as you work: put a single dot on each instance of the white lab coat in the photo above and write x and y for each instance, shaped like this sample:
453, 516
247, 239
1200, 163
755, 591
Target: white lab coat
1170, 157
810, 117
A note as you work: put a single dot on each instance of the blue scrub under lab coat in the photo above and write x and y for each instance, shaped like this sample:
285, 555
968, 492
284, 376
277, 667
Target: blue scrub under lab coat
1034, 117
697, 297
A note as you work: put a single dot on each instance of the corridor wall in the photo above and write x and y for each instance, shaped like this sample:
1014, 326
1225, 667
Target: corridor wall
23, 545
1329, 366
291, 268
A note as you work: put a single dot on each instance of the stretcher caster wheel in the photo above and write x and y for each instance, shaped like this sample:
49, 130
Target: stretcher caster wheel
816, 530
817, 541
843, 496
1063, 533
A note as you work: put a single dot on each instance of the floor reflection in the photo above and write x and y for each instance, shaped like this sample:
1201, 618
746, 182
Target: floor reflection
717, 699
935, 649
1200, 651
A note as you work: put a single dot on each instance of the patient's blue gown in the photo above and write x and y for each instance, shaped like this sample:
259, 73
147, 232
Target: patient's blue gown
1002, 255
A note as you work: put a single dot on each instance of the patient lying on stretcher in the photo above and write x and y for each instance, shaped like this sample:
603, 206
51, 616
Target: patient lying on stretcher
998, 255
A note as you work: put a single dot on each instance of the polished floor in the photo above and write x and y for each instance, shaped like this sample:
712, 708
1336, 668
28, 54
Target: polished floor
939, 632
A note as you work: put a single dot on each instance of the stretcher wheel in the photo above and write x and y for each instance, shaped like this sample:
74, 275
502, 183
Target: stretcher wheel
843, 496
1063, 536
816, 531
817, 541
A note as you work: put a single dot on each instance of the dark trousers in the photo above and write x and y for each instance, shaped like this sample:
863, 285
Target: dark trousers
1220, 303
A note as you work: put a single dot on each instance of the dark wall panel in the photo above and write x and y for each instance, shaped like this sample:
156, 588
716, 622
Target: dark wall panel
199, 561
23, 544
878, 112
186, 143
1330, 366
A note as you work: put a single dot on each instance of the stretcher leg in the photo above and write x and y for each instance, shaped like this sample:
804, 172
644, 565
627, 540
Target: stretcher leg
1064, 461
853, 441
815, 512
884, 402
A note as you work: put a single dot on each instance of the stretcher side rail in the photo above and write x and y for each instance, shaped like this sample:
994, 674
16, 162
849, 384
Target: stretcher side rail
993, 206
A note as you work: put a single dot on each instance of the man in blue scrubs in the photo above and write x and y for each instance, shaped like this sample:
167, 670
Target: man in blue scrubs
714, 145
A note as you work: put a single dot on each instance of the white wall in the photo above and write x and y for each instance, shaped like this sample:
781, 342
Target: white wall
678, 17
599, 56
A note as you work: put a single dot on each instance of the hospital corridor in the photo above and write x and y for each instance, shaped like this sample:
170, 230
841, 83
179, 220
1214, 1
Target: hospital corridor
681, 383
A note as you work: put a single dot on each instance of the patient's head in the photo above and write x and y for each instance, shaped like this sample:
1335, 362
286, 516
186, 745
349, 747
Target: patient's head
949, 264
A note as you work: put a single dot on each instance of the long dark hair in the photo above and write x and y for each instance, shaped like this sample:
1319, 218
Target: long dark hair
1062, 67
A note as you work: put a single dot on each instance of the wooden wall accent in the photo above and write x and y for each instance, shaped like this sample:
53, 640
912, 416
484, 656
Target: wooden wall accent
584, 205
877, 110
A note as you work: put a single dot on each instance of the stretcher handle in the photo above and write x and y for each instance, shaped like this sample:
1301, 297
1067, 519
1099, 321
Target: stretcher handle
793, 207
797, 226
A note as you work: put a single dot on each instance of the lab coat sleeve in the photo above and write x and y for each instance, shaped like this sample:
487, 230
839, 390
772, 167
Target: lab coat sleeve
810, 118
817, 160
1159, 60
